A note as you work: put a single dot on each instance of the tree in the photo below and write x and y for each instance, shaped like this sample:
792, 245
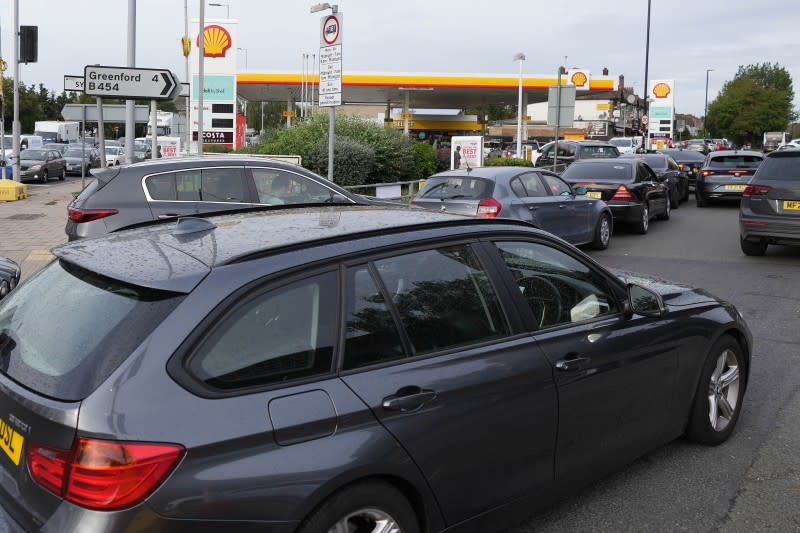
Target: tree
494, 112
758, 99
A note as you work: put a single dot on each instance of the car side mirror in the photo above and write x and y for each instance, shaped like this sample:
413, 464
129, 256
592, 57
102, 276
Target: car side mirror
579, 191
645, 302
337, 198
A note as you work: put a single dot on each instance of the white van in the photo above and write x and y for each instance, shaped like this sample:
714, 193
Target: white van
30, 141
625, 145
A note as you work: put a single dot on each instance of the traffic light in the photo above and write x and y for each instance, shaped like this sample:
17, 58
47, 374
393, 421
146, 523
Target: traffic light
28, 44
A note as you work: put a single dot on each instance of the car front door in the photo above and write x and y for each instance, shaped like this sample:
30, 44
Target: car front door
296, 188
615, 374
534, 203
657, 190
201, 190
443, 367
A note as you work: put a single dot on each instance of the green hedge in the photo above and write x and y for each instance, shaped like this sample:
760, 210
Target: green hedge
353, 161
506, 162
426, 160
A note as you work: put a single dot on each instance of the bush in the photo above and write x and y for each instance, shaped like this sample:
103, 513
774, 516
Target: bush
353, 161
216, 149
507, 162
425, 160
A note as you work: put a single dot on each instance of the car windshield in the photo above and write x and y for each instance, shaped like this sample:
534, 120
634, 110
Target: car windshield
457, 187
41, 155
74, 152
654, 161
621, 143
696, 141
99, 322
598, 172
684, 155
780, 168
735, 161
598, 152
112, 150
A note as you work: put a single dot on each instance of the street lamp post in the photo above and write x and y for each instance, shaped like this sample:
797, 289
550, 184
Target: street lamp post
226, 6
705, 113
646, 87
519, 57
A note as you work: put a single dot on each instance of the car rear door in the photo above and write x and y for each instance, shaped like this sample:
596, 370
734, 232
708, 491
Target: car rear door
439, 360
533, 202
577, 220
655, 191
199, 190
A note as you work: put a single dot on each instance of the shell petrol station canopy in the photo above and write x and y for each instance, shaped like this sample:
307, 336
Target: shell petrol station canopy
434, 91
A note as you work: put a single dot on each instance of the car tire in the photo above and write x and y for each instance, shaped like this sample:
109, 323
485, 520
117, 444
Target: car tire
63, 175
5, 288
722, 381
685, 197
702, 201
602, 232
674, 199
754, 248
44, 178
362, 503
643, 224
667, 211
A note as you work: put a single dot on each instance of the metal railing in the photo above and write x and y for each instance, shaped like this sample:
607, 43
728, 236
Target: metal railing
408, 189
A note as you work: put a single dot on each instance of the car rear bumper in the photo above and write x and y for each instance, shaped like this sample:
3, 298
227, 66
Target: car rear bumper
776, 230
718, 191
625, 211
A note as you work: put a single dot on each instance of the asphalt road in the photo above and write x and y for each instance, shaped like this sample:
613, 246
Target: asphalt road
752, 482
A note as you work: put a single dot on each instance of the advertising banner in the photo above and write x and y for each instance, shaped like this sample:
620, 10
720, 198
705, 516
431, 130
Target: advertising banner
466, 152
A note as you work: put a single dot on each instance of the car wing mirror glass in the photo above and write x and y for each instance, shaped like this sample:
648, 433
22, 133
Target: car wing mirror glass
579, 191
645, 302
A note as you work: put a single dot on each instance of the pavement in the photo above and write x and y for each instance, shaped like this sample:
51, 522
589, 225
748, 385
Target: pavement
29, 228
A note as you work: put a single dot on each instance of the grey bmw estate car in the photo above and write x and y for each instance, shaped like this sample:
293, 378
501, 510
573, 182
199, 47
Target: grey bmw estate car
347, 369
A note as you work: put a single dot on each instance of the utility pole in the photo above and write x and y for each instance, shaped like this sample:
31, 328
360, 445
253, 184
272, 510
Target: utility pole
130, 105
200, 72
16, 125
705, 113
2, 114
646, 129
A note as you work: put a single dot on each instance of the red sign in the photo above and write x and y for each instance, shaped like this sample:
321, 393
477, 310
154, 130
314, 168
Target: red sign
215, 137
241, 128
330, 30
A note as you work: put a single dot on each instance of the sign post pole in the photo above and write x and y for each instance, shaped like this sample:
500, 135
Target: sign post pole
558, 118
153, 130
83, 149
101, 134
330, 73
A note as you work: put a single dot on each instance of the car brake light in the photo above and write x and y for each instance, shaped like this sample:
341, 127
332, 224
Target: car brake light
681, 167
87, 215
489, 208
622, 194
707, 172
103, 475
756, 190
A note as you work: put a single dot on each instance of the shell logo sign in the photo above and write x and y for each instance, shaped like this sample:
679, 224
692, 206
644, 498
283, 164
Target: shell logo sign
216, 41
579, 79
661, 90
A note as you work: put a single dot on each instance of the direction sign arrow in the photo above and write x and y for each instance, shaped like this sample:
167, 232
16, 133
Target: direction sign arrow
134, 83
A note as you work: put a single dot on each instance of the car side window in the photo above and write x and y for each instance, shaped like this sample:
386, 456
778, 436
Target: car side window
641, 173
527, 185
556, 185
558, 288
161, 187
279, 335
444, 298
275, 186
371, 334
210, 185
672, 165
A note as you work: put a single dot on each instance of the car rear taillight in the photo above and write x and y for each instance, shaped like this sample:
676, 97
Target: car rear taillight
756, 190
103, 475
681, 167
489, 208
87, 215
622, 194
708, 173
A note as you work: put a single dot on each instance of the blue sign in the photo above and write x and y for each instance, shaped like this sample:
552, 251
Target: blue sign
660, 113
215, 88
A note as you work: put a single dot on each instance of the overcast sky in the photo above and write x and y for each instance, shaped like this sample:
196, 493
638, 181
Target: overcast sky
448, 36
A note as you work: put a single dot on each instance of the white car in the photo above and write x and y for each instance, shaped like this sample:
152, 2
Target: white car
625, 145
115, 155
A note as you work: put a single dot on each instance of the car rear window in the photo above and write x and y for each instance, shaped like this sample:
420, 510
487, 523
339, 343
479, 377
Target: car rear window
598, 152
622, 143
457, 187
735, 161
65, 330
598, 171
780, 168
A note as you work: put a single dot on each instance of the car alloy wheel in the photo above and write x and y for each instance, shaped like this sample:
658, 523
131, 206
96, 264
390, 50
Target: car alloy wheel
366, 521
4, 288
644, 220
603, 232
44, 176
723, 391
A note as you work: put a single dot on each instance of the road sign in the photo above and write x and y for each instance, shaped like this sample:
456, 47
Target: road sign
134, 83
567, 115
331, 30
645, 119
111, 113
73, 83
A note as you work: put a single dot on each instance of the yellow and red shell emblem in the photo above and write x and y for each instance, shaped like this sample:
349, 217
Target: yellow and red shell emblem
661, 90
216, 41
578, 79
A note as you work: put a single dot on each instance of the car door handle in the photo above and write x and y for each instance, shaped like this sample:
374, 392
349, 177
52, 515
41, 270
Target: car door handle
408, 399
562, 206
168, 215
533, 207
571, 363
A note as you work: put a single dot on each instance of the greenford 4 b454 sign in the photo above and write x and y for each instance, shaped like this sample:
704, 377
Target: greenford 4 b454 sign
134, 83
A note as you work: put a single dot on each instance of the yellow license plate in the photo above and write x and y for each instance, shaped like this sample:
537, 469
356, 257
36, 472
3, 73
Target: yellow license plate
594, 194
695, 170
735, 187
11, 441
791, 205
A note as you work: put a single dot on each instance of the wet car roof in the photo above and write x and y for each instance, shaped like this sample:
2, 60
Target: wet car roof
157, 257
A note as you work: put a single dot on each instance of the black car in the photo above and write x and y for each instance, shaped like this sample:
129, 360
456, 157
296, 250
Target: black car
665, 167
166, 188
81, 158
570, 151
344, 369
56, 147
9, 276
769, 212
633, 192
689, 162
725, 175
534, 195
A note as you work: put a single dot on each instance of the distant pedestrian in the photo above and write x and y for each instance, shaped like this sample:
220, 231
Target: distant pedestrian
457, 158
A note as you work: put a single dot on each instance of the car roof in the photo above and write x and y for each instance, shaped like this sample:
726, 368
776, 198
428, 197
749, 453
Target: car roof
177, 163
492, 173
611, 161
160, 257
712, 155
